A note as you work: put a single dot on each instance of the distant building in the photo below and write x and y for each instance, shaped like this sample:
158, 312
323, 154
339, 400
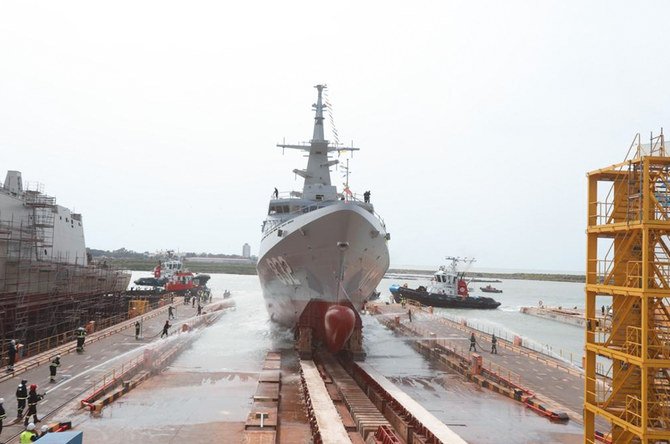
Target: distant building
246, 251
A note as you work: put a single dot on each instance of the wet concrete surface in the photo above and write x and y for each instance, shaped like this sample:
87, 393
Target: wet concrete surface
207, 388
478, 415
78, 373
205, 394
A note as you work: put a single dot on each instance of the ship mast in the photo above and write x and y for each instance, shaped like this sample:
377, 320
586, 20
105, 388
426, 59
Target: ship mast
317, 185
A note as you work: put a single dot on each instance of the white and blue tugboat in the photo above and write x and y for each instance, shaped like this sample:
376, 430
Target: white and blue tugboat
448, 289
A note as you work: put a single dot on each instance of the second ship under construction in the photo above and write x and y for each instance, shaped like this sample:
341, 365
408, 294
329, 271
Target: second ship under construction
48, 285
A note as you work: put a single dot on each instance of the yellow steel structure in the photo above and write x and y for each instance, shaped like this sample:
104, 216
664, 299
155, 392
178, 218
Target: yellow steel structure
628, 269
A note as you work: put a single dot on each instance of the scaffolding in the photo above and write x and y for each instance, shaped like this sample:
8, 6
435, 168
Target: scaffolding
628, 281
43, 294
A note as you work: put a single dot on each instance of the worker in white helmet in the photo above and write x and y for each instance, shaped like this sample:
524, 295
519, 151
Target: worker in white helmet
28, 435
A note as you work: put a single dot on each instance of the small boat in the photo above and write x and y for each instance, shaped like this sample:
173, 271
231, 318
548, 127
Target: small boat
448, 289
174, 278
161, 273
490, 289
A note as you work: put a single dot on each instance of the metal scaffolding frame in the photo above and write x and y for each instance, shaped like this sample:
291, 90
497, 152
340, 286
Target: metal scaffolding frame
628, 265
42, 294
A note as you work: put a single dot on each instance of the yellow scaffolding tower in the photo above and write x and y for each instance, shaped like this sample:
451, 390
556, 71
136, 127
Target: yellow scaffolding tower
627, 363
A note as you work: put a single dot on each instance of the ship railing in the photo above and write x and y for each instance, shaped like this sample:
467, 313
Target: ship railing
348, 197
271, 225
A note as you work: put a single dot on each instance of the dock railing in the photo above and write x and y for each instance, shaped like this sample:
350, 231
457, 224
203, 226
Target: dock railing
567, 357
110, 378
453, 348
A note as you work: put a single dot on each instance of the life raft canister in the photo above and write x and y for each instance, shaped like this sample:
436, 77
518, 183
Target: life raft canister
462, 288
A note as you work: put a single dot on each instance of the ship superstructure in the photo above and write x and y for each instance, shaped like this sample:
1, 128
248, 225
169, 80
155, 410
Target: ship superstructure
320, 246
47, 285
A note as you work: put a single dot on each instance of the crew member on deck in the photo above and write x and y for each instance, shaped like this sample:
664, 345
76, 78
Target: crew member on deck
366, 197
33, 399
55, 363
28, 435
21, 397
81, 337
11, 353
276, 193
138, 327
165, 328
473, 342
494, 344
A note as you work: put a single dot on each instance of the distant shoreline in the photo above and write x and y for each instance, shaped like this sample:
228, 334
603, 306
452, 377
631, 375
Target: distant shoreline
250, 269
196, 267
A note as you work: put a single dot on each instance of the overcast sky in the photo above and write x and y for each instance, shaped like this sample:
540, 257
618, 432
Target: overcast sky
477, 120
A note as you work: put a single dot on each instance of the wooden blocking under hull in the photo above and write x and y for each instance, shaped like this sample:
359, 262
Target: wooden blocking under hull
262, 420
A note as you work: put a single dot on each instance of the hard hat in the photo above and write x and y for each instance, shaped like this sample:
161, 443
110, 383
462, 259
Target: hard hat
13, 341
2, 400
31, 426
44, 428
33, 387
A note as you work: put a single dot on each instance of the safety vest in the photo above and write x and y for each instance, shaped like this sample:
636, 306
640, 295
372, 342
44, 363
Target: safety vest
26, 437
81, 333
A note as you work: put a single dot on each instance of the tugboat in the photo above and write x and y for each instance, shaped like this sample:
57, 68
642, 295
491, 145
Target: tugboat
448, 289
490, 289
174, 277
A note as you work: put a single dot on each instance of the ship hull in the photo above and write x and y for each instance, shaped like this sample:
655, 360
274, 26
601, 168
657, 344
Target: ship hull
307, 257
442, 300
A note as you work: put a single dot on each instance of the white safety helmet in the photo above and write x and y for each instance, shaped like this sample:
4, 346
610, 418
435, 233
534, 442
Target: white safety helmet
13, 342
2, 400
31, 427
44, 428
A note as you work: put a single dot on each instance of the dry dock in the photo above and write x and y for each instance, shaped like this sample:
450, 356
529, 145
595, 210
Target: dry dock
547, 384
106, 354
295, 401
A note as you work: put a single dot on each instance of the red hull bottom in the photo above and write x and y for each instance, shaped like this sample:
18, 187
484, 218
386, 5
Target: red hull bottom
331, 323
